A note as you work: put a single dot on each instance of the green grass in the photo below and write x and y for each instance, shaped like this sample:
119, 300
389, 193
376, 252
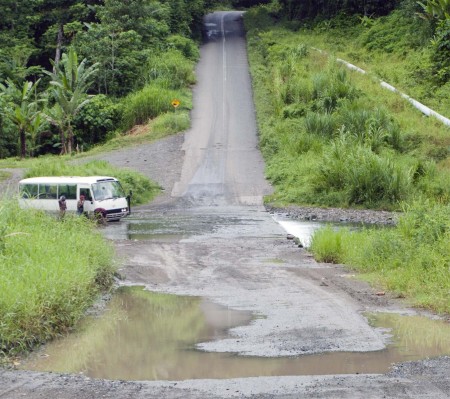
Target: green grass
51, 271
334, 137
412, 260
150, 102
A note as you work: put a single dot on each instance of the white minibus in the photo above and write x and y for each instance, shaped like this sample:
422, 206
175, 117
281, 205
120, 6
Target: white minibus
103, 195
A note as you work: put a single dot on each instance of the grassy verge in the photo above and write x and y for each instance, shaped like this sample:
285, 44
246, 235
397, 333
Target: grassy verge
162, 126
411, 260
396, 48
50, 270
333, 137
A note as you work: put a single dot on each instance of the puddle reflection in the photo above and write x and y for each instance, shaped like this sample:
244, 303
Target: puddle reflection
148, 336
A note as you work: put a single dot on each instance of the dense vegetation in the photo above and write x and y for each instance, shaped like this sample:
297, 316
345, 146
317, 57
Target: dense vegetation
333, 137
73, 73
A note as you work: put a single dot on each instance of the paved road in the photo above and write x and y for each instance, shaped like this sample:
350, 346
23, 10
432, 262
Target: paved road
222, 163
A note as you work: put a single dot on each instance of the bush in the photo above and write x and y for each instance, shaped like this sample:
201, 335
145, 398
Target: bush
326, 245
186, 46
170, 70
441, 53
364, 177
322, 125
141, 106
96, 120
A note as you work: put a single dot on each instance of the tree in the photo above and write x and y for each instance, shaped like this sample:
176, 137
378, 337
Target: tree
298, 9
71, 81
439, 9
22, 109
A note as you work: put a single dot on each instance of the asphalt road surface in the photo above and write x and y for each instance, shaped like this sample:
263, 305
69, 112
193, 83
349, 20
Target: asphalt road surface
239, 257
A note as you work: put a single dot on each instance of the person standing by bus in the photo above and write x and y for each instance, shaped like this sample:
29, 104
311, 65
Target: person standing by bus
80, 205
62, 206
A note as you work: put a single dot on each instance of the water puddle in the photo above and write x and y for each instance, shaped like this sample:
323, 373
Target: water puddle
149, 336
173, 226
300, 229
183, 226
304, 230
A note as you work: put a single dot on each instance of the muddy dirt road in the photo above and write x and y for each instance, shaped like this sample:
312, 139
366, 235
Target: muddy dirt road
238, 256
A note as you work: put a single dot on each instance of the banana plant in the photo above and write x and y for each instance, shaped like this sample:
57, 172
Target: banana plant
22, 109
70, 81
439, 9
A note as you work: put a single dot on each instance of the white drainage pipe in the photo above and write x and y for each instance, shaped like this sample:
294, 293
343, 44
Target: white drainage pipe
416, 104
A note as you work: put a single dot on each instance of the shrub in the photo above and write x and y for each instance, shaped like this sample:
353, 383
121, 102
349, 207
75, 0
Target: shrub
441, 53
187, 47
322, 125
326, 245
363, 176
97, 119
146, 104
171, 70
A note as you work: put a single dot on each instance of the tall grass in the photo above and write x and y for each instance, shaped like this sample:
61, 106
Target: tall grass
363, 176
171, 70
320, 124
50, 270
314, 107
411, 260
146, 104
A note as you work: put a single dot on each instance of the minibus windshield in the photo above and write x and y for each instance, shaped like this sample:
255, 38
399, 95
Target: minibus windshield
107, 189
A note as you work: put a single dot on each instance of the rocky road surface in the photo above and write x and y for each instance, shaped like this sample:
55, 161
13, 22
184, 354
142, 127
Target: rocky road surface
239, 257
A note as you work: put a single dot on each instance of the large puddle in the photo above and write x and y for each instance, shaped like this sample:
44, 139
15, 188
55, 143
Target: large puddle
187, 224
149, 336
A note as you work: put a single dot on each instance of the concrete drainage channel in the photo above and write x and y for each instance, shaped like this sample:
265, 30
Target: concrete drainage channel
147, 335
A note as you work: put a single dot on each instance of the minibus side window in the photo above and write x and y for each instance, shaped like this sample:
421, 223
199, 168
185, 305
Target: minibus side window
28, 190
48, 191
68, 190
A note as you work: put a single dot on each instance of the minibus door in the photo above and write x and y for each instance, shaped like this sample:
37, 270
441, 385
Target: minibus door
88, 200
